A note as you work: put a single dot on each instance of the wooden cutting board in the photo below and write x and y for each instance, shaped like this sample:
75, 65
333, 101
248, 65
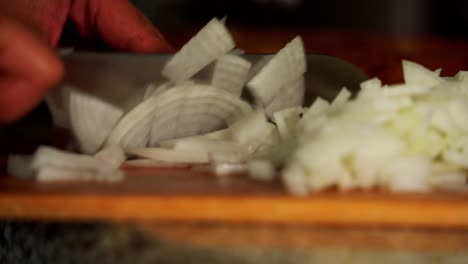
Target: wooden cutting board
184, 195
180, 195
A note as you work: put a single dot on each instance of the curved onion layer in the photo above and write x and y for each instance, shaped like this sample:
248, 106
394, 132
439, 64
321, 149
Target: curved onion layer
181, 106
113, 155
217, 150
405, 138
171, 155
210, 43
290, 95
231, 73
222, 134
286, 66
92, 120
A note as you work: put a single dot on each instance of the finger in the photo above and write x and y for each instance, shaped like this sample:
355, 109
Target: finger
47, 17
119, 24
28, 68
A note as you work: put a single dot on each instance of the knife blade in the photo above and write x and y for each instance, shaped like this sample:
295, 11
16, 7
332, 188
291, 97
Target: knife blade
117, 76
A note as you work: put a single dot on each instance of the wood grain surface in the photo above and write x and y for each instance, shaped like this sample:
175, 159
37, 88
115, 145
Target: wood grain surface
182, 195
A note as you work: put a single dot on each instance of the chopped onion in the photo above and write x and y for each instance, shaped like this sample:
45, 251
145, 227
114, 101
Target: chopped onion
92, 120
389, 137
231, 73
178, 107
51, 157
290, 95
171, 155
112, 154
286, 66
263, 170
286, 120
211, 42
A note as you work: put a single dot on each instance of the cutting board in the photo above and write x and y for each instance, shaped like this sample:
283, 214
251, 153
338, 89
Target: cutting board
182, 195
188, 195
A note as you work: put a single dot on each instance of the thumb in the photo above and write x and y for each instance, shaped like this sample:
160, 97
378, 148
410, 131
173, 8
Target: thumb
28, 68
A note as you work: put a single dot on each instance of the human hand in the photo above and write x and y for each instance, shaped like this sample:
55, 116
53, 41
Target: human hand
30, 28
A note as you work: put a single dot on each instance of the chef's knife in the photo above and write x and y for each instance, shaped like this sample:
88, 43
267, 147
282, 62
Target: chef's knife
116, 76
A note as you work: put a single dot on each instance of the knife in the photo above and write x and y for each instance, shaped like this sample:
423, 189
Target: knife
117, 76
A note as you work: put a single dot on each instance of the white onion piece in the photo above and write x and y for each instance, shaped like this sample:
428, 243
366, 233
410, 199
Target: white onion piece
295, 179
112, 154
51, 157
54, 174
342, 97
92, 120
231, 73
262, 170
222, 169
171, 155
408, 174
286, 120
177, 108
185, 126
418, 75
262, 149
20, 166
144, 162
222, 134
210, 43
287, 65
218, 151
255, 133
290, 95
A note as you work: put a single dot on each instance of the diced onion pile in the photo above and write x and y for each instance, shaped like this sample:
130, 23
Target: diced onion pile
411, 137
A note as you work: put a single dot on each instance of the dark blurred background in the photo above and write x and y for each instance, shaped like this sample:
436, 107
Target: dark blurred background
396, 17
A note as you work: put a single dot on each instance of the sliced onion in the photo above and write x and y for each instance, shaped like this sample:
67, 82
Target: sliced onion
171, 155
286, 66
286, 120
218, 151
179, 106
112, 154
92, 120
290, 95
51, 157
418, 75
222, 134
262, 170
210, 43
231, 73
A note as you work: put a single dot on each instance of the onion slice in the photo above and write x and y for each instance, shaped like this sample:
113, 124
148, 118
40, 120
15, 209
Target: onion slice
286, 66
231, 73
290, 95
210, 43
92, 120
178, 108
171, 155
